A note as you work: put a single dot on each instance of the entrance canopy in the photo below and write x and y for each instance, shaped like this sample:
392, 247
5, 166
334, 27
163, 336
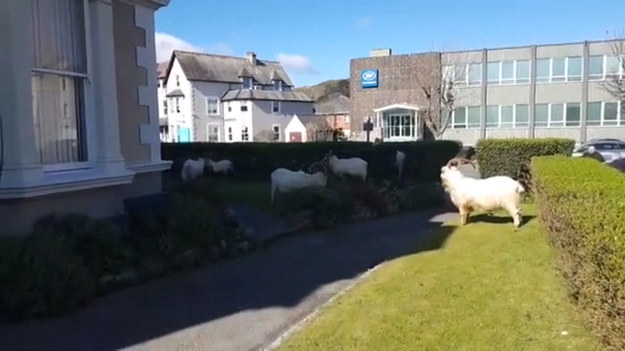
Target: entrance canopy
399, 122
397, 107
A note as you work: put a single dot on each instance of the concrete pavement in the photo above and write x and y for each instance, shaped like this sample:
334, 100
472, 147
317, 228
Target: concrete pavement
239, 304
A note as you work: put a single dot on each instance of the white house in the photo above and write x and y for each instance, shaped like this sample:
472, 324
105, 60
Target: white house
220, 98
73, 139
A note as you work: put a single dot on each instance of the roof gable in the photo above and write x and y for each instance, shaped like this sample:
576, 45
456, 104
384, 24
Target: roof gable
226, 69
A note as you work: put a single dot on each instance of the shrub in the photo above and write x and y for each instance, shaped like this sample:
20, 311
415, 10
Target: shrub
323, 207
582, 210
511, 157
258, 160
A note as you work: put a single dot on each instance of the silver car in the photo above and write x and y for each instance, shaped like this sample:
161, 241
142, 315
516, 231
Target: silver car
610, 149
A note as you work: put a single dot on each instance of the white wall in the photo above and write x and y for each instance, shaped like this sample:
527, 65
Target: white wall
236, 120
200, 92
184, 117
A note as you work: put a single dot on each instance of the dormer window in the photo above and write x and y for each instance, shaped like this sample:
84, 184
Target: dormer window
248, 82
277, 84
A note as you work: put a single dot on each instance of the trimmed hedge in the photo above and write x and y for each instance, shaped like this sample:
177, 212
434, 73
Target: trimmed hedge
582, 208
258, 160
511, 157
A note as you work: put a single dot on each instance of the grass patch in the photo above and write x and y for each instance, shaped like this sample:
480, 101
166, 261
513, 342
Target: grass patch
488, 288
252, 193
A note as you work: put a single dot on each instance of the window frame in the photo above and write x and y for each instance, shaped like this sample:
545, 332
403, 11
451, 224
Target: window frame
208, 132
245, 133
217, 103
86, 101
274, 132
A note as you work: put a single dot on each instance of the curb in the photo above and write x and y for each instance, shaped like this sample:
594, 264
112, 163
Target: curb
304, 321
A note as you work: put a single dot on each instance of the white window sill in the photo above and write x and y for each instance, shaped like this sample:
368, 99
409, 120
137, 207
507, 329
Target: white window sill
67, 181
150, 167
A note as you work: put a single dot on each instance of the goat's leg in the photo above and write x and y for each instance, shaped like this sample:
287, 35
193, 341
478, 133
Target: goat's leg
515, 213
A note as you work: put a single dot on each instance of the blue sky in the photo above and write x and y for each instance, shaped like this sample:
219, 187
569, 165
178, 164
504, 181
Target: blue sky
315, 40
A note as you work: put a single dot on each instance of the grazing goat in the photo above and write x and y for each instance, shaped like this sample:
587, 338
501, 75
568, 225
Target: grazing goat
489, 194
354, 166
400, 157
192, 169
222, 166
284, 180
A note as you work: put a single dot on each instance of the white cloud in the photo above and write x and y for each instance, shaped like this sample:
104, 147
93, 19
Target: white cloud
166, 43
364, 22
297, 63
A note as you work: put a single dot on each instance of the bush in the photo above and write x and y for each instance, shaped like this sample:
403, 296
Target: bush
582, 209
511, 157
56, 269
258, 160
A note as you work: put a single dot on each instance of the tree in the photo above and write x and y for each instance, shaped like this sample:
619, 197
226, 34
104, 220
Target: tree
615, 84
439, 96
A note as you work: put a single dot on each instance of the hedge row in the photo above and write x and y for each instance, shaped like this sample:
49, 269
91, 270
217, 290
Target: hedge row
258, 160
512, 157
582, 208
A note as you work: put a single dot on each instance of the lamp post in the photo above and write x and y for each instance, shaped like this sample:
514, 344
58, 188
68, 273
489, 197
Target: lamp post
368, 127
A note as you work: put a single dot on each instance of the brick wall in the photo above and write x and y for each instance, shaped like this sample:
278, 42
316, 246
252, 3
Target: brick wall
400, 78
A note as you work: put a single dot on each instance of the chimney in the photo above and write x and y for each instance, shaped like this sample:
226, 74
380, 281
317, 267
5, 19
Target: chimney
380, 52
251, 56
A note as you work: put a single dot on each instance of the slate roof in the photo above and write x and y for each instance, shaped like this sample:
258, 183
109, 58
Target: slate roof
274, 95
316, 119
335, 103
161, 69
175, 92
219, 68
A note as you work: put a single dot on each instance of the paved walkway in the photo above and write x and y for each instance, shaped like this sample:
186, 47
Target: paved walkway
240, 304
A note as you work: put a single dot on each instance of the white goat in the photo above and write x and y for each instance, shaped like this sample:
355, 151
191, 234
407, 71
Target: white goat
354, 166
285, 180
490, 194
192, 169
221, 166
400, 157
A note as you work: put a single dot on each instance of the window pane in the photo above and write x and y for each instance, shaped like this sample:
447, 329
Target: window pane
461, 74
572, 114
595, 67
473, 115
506, 116
594, 114
622, 112
574, 72
523, 71
492, 116
475, 73
448, 72
611, 65
557, 115
460, 117
493, 72
542, 115
59, 35
609, 113
557, 75
521, 116
542, 70
507, 71
58, 119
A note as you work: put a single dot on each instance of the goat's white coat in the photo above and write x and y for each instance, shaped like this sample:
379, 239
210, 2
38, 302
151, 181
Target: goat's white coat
400, 157
221, 166
192, 169
354, 166
284, 180
489, 194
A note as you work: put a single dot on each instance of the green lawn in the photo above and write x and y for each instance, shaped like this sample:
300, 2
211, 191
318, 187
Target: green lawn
253, 193
488, 288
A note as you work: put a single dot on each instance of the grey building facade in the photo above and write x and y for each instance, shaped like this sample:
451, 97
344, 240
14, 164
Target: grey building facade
532, 91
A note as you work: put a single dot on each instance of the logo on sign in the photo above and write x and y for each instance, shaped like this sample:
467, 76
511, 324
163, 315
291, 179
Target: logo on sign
369, 78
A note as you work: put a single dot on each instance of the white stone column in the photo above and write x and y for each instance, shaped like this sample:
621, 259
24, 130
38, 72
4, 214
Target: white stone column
102, 67
21, 164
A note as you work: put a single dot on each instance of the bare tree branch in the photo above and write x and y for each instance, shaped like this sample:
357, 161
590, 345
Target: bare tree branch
615, 84
439, 95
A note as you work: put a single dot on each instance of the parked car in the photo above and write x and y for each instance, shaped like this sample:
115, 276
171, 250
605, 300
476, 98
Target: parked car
610, 149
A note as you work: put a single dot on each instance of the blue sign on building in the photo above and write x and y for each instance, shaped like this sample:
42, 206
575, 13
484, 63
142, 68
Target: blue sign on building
369, 78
